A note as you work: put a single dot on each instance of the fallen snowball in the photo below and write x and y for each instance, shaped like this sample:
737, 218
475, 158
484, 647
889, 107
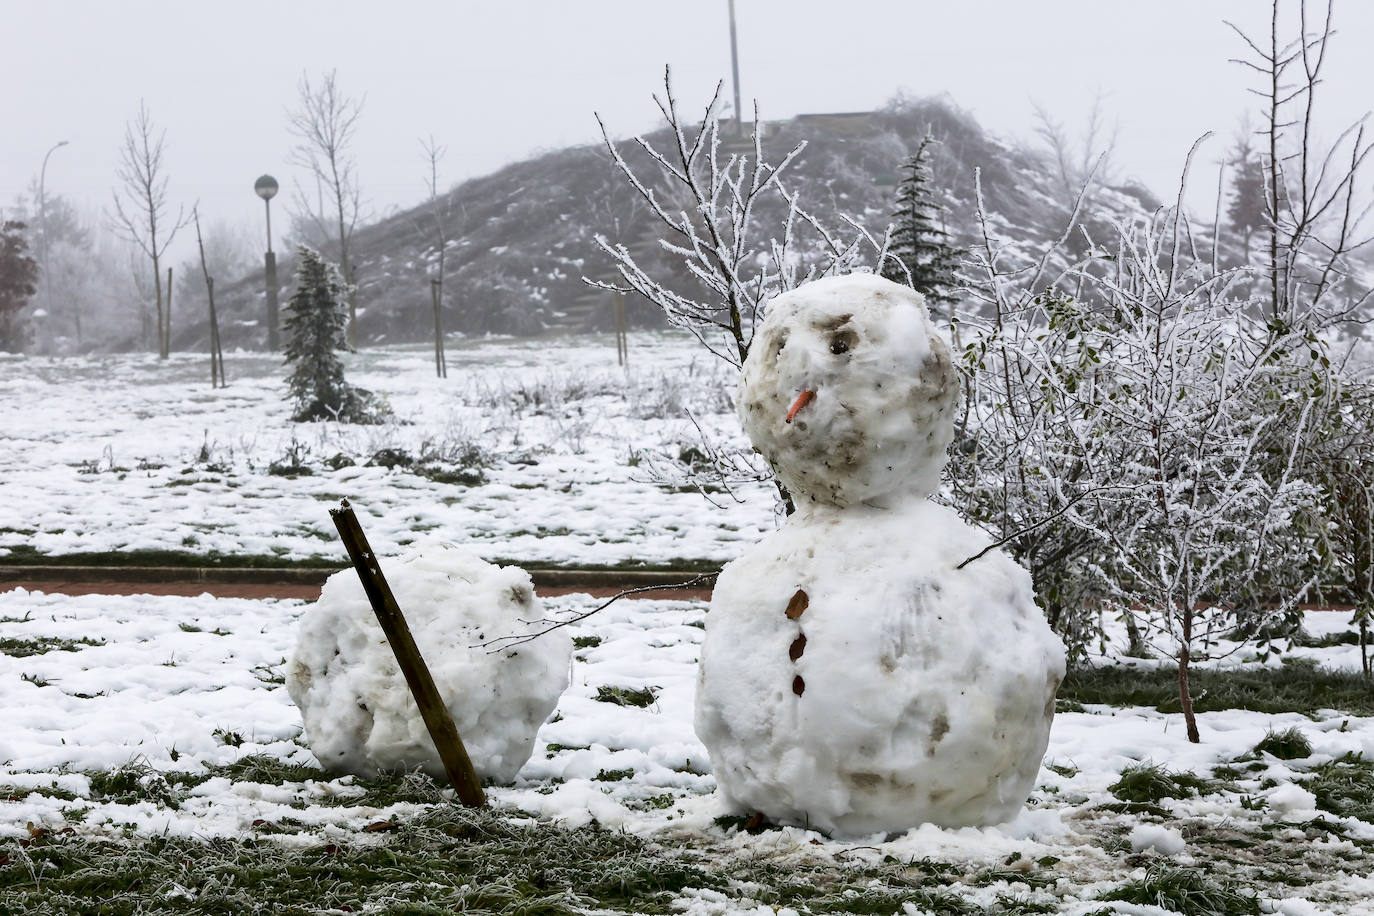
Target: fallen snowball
1291, 797
1163, 840
358, 712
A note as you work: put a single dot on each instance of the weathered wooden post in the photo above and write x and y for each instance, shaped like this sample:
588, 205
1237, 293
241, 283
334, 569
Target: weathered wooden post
436, 295
622, 343
444, 733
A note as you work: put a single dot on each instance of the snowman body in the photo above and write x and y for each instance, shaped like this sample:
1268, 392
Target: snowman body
854, 677
358, 712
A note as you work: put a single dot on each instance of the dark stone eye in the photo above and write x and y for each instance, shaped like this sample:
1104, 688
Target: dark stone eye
839, 345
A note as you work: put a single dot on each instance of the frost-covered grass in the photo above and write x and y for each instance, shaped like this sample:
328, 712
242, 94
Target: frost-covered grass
160, 769
530, 450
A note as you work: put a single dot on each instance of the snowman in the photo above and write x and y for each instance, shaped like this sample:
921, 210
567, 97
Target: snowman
854, 676
358, 712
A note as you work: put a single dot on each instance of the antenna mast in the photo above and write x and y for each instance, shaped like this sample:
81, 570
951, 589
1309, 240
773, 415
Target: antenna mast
734, 66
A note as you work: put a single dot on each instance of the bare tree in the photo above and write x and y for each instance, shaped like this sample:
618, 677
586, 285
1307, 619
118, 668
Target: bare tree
438, 213
706, 206
1075, 160
1313, 214
324, 123
141, 211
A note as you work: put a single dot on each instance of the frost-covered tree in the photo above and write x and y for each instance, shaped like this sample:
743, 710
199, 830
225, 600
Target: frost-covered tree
1195, 516
1027, 446
316, 320
706, 203
1341, 462
1137, 444
18, 274
920, 254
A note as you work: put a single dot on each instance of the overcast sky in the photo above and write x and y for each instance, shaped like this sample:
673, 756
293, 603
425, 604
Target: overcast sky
498, 82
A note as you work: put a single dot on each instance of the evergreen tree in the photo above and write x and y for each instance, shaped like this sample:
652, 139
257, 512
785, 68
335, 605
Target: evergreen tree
18, 271
316, 322
1248, 206
920, 253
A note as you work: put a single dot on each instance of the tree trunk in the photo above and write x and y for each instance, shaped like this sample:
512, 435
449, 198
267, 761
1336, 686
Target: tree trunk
1135, 640
1185, 698
161, 321
436, 292
217, 379
167, 331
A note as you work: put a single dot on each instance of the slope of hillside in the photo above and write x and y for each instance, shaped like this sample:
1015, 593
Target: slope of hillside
522, 239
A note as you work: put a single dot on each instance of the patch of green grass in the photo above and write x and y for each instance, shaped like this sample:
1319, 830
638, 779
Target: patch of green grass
269, 770
652, 803
137, 782
1289, 744
23, 648
555, 748
1149, 783
1188, 891
1328, 641
231, 738
447, 860
1344, 786
1295, 687
586, 642
626, 696
1021, 906
613, 775
19, 793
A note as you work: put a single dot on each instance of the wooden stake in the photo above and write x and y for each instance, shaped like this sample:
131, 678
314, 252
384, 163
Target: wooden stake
167, 344
622, 343
444, 733
436, 296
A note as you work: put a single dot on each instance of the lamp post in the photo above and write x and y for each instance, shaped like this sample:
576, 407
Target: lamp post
266, 188
43, 233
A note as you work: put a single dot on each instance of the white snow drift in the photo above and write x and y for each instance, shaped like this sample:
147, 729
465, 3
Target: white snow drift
853, 677
358, 712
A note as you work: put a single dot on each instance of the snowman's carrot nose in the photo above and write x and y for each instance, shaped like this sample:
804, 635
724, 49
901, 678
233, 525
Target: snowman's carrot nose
806, 397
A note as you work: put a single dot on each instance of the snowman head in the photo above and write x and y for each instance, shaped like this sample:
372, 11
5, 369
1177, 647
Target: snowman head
849, 391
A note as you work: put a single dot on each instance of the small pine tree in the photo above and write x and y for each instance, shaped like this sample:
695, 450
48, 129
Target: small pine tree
316, 322
920, 253
1248, 206
18, 273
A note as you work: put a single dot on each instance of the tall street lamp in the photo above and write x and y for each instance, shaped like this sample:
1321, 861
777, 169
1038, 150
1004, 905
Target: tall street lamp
43, 232
266, 187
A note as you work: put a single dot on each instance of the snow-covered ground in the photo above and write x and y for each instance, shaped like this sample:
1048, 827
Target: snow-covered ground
182, 685
170, 693
127, 452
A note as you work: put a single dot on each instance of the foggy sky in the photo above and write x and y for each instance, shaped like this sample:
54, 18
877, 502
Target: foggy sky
497, 82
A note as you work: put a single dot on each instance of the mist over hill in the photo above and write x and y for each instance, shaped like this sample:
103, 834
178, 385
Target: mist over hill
521, 240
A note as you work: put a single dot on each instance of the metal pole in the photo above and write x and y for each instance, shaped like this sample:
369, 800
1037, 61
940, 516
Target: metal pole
43, 231
273, 334
734, 67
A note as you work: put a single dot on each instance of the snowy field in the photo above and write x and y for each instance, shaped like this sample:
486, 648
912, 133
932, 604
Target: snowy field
152, 762
138, 723
529, 450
